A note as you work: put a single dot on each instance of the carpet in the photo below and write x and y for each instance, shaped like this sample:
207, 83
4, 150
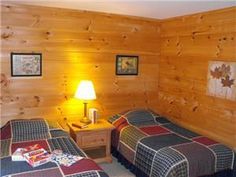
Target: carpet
115, 169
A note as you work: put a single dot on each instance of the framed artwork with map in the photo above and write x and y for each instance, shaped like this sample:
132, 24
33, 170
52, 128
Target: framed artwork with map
26, 64
222, 79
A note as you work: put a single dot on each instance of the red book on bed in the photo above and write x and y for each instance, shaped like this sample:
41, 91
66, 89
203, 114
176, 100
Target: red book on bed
35, 155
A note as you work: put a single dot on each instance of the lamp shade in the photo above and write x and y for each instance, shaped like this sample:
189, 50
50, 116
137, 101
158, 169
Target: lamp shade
85, 91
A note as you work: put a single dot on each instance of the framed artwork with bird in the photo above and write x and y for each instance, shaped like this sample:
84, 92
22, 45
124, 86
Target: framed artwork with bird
126, 65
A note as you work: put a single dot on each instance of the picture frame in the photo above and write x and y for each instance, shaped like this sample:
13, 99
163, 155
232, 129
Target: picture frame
221, 79
127, 65
26, 64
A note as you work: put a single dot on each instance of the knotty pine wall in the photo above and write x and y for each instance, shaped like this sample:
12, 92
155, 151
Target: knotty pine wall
188, 44
76, 45
82, 45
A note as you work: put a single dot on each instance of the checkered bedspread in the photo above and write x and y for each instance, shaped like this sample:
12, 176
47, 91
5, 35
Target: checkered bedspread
161, 148
21, 133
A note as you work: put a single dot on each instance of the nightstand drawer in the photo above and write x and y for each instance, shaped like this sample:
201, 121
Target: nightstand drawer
94, 139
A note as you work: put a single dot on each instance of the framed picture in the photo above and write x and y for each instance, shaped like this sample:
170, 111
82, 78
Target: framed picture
126, 65
222, 79
26, 64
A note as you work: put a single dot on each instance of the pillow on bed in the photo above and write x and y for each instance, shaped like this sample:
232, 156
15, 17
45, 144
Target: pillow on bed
29, 129
140, 116
29, 126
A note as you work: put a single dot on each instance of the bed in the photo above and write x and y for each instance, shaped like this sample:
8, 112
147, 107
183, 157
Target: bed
151, 145
22, 133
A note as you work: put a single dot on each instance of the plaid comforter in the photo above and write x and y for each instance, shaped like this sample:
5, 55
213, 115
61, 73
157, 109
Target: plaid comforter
21, 133
160, 148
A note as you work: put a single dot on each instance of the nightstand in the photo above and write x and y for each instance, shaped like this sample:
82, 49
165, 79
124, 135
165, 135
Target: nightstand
95, 139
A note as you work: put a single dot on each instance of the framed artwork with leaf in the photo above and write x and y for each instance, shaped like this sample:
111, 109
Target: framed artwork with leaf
126, 65
26, 64
222, 79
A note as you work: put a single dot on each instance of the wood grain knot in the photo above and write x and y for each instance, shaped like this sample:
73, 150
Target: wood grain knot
4, 81
6, 35
66, 97
36, 21
124, 37
37, 98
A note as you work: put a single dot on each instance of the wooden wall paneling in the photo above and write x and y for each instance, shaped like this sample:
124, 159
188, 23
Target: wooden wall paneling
76, 45
174, 56
188, 44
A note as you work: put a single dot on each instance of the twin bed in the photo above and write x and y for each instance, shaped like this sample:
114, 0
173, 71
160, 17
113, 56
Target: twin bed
150, 145
22, 133
145, 142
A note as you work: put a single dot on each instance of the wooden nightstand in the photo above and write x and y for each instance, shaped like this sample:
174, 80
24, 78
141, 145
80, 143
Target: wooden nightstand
95, 139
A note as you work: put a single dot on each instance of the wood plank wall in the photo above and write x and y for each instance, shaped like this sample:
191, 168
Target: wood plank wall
82, 45
188, 44
76, 45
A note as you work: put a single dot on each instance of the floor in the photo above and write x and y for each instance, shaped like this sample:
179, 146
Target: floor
115, 169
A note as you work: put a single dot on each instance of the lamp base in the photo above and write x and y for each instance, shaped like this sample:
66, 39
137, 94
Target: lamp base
85, 120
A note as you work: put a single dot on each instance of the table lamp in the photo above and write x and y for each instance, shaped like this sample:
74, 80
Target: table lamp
85, 91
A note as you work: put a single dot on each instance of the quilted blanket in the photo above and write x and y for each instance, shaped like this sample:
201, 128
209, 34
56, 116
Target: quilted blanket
21, 133
158, 147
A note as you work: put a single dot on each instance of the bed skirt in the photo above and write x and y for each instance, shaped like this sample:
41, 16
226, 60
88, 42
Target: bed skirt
138, 173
